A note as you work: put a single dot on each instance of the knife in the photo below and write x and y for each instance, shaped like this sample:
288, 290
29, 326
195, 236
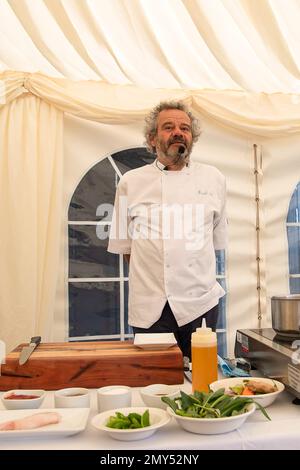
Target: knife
27, 350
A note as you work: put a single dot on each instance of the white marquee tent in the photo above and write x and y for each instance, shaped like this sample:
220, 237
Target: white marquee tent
76, 80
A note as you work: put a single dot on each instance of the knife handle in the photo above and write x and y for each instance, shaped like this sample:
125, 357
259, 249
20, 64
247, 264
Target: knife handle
36, 340
186, 363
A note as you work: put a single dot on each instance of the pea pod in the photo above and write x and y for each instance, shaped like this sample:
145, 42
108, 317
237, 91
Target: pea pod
132, 421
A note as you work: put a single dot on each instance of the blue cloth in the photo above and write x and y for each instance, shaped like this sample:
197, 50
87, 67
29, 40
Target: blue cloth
230, 371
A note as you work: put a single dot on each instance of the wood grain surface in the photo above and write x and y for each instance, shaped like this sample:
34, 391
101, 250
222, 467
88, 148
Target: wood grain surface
91, 364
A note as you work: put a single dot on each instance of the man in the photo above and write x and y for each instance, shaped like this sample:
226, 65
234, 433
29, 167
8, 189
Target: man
169, 218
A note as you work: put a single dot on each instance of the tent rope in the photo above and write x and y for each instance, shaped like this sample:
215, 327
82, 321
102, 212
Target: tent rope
257, 166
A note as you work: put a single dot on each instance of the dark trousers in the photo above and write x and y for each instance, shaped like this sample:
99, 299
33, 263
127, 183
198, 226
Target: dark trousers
168, 324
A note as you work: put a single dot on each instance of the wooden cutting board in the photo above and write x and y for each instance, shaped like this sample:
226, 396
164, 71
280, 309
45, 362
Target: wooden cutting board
91, 364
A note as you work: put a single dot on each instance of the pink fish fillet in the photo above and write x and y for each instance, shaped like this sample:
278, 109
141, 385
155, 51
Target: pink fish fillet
31, 422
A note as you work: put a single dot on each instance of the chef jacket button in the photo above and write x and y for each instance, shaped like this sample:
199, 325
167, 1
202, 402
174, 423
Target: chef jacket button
190, 265
167, 265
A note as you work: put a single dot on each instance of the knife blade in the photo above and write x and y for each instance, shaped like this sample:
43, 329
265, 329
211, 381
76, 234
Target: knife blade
186, 368
27, 350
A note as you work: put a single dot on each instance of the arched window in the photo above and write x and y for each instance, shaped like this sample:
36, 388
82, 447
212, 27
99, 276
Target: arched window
293, 234
98, 280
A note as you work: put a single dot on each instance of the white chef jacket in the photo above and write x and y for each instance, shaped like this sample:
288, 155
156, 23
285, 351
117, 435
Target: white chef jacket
164, 266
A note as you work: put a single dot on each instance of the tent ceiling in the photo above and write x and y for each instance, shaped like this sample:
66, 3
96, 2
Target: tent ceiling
193, 44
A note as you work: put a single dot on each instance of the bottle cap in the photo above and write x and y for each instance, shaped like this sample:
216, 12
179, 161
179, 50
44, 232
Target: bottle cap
204, 336
204, 330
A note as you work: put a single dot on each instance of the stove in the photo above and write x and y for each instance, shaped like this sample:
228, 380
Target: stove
275, 356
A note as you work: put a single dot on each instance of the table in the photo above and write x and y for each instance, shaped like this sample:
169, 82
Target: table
283, 432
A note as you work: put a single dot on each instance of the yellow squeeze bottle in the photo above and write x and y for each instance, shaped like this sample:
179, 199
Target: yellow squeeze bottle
204, 358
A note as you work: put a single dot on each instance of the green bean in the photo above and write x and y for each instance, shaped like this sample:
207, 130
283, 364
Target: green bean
210, 405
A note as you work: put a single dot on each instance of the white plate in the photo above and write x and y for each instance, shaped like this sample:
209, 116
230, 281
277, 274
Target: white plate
265, 399
73, 420
158, 418
154, 340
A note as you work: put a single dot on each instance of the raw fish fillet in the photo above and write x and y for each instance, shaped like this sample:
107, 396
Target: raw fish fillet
31, 422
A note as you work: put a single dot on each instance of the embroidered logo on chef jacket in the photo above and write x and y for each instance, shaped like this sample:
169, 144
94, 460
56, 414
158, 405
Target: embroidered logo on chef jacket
204, 192
212, 205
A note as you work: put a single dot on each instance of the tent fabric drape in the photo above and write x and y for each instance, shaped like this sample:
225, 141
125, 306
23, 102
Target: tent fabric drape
257, 114
236, 63
31, 170
177, 44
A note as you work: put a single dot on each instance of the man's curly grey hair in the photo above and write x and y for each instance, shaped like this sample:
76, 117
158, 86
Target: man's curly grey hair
150, 128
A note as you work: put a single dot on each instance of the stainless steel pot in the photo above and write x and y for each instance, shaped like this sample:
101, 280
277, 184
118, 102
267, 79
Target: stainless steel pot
286, 315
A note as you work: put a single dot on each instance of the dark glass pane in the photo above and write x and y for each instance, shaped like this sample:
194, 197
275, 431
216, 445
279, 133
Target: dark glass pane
94, 308
125, 264
222, 344
221, 324
220, 262
132, 158
97, 187
88, 255
293, 234
295, 285
128, 329
294, 207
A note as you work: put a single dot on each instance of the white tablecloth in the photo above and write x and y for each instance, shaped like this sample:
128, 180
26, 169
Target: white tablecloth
283, 432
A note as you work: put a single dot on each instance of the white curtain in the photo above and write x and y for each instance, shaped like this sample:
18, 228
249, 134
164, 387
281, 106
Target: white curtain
170, 44
31, 149
256, 114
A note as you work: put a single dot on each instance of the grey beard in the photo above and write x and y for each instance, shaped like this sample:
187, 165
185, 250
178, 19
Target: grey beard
173, 156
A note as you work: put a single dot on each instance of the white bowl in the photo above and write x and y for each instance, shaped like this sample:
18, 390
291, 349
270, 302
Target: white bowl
212, 425
152, 394
23, 403
158, 418
265, 399
74, 397
113, 396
